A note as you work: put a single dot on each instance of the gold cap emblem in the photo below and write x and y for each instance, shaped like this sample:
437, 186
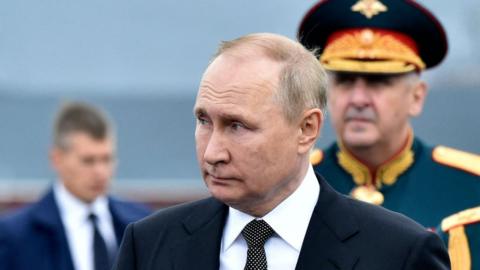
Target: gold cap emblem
369, 8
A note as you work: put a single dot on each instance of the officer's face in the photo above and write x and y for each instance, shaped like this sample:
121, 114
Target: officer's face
374, 110
247, 151
86, 166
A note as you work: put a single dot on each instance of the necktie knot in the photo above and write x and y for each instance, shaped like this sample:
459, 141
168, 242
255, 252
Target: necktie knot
93, 218
256, 233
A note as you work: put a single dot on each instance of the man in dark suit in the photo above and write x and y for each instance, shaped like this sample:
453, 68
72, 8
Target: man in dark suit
75, 225
259, 112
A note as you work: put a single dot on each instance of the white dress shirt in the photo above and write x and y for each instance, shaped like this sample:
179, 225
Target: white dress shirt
289, 220
79, 229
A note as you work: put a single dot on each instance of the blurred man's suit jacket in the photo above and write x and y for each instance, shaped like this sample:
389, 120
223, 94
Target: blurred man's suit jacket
34, 237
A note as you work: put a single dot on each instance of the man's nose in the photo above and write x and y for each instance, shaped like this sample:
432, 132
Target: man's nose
102, 168
359, 94
216, 151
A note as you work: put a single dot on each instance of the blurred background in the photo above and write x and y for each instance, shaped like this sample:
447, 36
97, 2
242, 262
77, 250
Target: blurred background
142, 61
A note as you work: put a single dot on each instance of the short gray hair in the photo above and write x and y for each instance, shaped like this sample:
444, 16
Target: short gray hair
80, 117
303, 81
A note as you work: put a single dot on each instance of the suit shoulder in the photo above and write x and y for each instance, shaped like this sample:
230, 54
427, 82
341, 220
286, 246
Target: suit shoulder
457, 159
391, 232
18, 216
18, 223
130, 208
175, 214
468, 216
379, 217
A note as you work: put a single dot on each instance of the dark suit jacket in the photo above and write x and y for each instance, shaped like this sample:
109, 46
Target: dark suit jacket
34, 237
343, 234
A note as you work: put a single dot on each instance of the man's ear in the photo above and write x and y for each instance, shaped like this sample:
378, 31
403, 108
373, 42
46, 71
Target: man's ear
310, 127
419, 93
55, 156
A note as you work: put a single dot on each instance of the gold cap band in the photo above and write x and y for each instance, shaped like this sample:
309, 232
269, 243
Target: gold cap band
371, 51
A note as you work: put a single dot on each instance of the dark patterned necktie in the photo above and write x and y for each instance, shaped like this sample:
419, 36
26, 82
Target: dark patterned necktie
101, 258
256, 234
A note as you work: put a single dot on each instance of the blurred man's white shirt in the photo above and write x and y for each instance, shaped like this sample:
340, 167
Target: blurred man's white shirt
78, 228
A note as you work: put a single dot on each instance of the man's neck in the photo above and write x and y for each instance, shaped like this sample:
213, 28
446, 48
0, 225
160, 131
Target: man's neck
261, 208
379, 154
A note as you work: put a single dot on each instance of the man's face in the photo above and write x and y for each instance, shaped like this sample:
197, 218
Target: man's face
372, 110
247, 151
86, 166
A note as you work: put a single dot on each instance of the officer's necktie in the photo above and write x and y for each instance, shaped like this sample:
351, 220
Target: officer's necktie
256, 234
101, 258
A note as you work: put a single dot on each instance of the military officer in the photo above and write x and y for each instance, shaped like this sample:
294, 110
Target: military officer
461, 231
375, 51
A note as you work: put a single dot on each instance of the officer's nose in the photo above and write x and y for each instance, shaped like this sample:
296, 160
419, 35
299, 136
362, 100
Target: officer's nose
216, 151
359, 94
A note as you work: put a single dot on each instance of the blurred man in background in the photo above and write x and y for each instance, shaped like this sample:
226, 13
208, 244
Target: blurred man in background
75, 225
375, 51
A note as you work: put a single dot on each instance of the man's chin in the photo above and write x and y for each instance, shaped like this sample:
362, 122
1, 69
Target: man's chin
224, 197
358, 141
224, 194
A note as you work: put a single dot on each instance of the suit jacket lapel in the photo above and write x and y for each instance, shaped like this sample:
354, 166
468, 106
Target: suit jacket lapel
122, 214
331, 226
201, 244
47, 218
119, 221
324, 247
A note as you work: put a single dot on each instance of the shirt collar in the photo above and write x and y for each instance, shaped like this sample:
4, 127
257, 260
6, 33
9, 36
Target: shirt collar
72, 208
294, 212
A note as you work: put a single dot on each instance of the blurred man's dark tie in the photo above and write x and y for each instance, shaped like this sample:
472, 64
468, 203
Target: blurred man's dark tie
101, 257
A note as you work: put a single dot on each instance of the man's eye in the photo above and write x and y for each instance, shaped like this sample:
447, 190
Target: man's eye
108, 159
88, 161
379, 83
237, 125
202, 121
345, 81
379, 80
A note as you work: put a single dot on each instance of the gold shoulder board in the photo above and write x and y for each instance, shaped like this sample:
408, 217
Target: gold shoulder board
316, 156
457, 159
464, 217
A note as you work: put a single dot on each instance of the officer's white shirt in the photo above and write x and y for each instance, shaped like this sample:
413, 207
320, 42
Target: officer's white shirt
289, 220
78, 228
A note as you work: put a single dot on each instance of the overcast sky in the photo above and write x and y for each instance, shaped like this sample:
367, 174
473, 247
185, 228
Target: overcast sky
162, 47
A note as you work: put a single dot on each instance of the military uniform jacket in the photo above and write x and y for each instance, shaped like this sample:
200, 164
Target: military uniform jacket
439, 181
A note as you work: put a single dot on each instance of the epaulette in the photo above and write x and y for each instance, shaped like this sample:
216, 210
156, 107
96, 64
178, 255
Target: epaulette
316, 156
464, 217
458, 246
457, 159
